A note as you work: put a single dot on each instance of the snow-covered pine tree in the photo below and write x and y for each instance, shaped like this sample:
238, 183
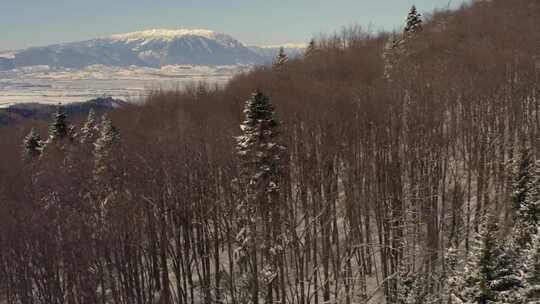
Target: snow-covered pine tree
490, 275
281, 59
531, 292
522, 177
395, 47
32, 145
59, 129
479, 270
528, 214
414, 21
90, 131
525, 199
259, 211
408, 289
59, 133
530, 209
453, 278
508, 281
105, 147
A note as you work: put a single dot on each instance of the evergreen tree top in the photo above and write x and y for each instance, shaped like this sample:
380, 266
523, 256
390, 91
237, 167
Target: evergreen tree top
105, 146
258, 108
59, 127
32, 144
90, 129
32, 135
281, 58
414, 21
522, 180
259, 127
109, 133
92, 118
310, 48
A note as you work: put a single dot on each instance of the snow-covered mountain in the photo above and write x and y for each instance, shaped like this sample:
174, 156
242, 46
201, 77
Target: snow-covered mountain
151, 48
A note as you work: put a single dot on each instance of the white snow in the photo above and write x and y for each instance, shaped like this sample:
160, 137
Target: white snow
7, 54
52, 85
168, 35
164, 34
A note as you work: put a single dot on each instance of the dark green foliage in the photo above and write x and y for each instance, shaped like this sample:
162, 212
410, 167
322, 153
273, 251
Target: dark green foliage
89, 132
532, 270
522, 178
414, 21
525, 199
58, 130
105, 146
259, 212
529, 208
32, 145
310, 49
281, 58
492, 273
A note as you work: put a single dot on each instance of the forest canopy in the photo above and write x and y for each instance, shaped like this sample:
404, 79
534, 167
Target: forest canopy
377, 168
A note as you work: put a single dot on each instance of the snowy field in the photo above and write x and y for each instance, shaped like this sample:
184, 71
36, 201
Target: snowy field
48, 85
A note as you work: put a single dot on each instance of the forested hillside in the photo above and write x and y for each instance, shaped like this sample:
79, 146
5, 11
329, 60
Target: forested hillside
377, 168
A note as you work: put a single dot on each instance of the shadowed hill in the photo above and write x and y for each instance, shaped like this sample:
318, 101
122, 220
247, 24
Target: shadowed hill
20, 113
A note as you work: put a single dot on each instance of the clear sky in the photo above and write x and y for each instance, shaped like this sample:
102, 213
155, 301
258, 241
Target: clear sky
25, 23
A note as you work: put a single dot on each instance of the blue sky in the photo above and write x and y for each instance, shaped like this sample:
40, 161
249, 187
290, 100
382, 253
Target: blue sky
26, 23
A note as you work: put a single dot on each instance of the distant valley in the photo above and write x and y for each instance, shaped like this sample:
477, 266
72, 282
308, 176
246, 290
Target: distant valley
44, 84
126, 66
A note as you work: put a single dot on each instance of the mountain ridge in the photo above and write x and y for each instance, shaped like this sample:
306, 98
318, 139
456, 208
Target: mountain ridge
151, 48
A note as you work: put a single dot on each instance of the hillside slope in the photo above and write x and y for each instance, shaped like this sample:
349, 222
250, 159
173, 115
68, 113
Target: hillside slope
377, 168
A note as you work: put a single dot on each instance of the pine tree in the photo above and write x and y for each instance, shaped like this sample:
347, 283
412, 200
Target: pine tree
90, 130
32, 145
396, 47
261, 158
105, 147
59, 129
531, 292
310, 49
525, 199
508, 279
481, 266
522, 178
453, 279
529, 208
414, 21
281, 59
407, 289
491, 273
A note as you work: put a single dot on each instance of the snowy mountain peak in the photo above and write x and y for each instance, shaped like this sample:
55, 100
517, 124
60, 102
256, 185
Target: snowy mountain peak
165, 34
150, 48
169, 35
